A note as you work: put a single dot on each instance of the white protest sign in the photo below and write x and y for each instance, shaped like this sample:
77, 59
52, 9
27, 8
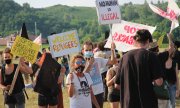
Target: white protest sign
108, 11
64, 43
123, 33
10, 43
172, 13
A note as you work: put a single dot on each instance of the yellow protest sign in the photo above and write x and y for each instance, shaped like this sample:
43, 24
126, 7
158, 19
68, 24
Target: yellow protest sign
160, 40
25, 48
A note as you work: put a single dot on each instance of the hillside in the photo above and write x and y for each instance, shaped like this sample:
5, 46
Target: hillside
61, 18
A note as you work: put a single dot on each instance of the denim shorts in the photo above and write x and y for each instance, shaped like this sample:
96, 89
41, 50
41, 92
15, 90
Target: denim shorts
44, 100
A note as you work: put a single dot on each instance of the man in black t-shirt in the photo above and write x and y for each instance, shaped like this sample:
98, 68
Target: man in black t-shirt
139, 69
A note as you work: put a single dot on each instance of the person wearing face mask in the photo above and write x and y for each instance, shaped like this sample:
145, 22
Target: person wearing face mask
80, 85
17, 98
94, 65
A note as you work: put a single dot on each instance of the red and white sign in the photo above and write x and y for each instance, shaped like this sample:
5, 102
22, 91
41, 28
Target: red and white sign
108, 11
171, 14
123, 33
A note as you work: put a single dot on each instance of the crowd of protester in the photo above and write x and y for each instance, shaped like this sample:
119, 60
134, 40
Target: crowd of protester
97, 75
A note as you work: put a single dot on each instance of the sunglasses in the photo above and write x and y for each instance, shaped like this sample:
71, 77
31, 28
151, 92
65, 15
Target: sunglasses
80, 62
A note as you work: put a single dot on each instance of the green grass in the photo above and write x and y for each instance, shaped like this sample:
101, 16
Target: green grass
32, 102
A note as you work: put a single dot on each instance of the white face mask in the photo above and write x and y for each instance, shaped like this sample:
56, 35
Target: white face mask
88, 54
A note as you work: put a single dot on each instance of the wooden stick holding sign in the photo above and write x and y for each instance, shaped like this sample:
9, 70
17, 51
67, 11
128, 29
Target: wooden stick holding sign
14, 79
23, 48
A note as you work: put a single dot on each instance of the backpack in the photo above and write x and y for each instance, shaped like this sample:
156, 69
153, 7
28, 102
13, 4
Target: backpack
46, 83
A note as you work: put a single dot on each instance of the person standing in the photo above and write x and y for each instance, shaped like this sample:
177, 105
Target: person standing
171, 75
94, 65
138, 70
113, 93
17, 98
80, 85
47, 78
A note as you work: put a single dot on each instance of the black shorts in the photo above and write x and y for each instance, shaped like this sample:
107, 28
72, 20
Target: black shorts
44, 101
113, 97
18, 98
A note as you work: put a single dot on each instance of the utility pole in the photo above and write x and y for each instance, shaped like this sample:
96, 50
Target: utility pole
35, 29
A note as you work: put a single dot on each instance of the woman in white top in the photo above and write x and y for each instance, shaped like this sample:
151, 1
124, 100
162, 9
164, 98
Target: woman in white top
79, 85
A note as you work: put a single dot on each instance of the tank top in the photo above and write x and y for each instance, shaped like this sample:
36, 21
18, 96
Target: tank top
19, 85
170, 74
112, 88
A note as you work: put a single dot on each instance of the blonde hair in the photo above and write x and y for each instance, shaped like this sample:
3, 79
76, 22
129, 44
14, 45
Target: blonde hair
75, 57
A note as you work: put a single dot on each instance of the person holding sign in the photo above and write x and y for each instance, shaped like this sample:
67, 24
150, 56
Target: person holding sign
48, 77
80, 85
138, 70
17, 98
93, 68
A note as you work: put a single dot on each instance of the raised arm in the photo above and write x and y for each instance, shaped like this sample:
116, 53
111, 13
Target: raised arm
113, 58
24, 67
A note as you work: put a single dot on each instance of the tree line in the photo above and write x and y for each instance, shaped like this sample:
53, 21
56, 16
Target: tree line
62, 18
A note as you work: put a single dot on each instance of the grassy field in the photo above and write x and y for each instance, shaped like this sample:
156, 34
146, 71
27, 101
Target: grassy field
32, 102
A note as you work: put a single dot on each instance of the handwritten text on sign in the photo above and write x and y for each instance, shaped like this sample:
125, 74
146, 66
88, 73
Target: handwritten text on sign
64, 43
25, 48
108, 11
123, 34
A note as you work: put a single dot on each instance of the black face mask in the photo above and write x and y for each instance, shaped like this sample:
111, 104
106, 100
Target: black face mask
8, 61
80, 69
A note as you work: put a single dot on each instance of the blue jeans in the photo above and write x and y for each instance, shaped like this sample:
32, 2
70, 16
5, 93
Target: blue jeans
172, 93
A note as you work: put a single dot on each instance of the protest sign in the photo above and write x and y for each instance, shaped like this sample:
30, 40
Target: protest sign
64, 43
123, 33
108, 11
10, 43
160, 40
171, 14
25, 48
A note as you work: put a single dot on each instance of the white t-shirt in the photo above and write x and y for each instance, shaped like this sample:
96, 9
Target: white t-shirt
101, 54
82, 95
96, 75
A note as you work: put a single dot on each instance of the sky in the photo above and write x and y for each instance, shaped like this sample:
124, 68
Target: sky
86, 3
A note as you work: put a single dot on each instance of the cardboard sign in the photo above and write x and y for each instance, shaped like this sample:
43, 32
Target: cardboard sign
123, 33
64, 43
108, 11
25, 48
10, 44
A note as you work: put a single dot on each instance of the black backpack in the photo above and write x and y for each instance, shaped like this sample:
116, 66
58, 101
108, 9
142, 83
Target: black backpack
46, 83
